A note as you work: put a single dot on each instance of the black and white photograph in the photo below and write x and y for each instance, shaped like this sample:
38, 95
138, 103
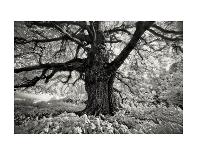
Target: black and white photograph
103, 77
98, 77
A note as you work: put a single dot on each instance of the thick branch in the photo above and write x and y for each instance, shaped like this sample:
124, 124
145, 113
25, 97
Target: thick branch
141, 27
74, 64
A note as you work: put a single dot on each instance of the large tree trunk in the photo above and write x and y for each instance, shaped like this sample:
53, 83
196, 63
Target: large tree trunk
99, 86
98, 79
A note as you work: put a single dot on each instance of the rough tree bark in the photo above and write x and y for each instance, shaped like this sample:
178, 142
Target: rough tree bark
99, 87
98, 79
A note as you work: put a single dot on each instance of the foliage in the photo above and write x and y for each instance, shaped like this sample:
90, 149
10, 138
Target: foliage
129, 120
25, 111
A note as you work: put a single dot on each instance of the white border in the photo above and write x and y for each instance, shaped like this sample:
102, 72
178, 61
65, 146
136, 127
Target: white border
97, 10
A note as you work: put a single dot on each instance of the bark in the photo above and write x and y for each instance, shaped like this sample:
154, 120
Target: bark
99, 86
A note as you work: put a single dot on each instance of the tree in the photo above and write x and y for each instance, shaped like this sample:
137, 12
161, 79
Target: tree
96, 50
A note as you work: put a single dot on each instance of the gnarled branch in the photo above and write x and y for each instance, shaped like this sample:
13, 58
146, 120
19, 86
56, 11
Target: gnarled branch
141, 27
74, 64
